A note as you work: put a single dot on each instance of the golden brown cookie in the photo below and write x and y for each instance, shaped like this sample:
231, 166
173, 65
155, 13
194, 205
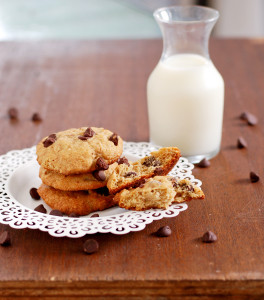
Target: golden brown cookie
157, 192
78, 182
81, 202
76, 151
158, 163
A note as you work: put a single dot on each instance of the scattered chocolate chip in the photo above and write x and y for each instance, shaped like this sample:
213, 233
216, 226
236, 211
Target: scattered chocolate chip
253, 177
241, 143
158, 171
204, 163
244, 116
99, 175
83, 138
114, 138
129, 174
73, 215
123, 160
101, 164
90, 246
36, 117
41, 209
94, 216
252, 120
34, 194
164, 231
151, 161
5, 238
102, 191
89, 132
209, 237
49, 141
56, 212
13, 113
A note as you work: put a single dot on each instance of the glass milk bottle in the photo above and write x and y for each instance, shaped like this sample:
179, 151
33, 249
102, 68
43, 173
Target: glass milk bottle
185, 91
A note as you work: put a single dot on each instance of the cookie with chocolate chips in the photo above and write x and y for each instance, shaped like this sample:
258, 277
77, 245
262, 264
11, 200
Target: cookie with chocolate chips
80, 202
78, 151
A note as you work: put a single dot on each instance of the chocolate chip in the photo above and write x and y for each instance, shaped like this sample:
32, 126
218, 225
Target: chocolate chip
244, 116
123, 160
36, 117
114, 138
164, 231
151, 161
158, 171
130, 174
209, 237
102, 191
90, 246
190, 188
241, 143
83, 138
204, 163
34, 194
53, 136
41, 209
73, 215
99, 175
5, 238
253, 177
140, 184
101, 164
13, 113
252, 120
49, 141
174, 182
94, 216
56, 212
89, 132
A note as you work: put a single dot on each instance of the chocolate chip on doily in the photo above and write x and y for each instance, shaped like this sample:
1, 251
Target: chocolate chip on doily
56, 212
41, 209
34, 194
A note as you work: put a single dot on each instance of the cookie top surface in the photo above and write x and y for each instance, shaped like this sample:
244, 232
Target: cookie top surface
81, 202
76, 151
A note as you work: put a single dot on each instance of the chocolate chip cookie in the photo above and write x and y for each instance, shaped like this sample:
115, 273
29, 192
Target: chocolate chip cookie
81, 202
77, 151
158, 163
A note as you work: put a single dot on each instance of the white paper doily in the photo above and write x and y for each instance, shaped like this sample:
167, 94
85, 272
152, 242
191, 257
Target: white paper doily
19, 173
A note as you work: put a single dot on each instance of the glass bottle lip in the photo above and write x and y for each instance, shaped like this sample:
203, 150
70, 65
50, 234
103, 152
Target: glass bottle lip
210, 14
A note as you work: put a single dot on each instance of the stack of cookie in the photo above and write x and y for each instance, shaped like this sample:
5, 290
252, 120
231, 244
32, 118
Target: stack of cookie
75, 166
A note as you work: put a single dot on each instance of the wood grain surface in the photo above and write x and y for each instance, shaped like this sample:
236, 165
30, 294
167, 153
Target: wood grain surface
102, 83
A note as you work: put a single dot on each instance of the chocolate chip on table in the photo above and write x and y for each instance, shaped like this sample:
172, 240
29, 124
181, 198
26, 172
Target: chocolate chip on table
209, 237
41, 209
129, 174
204, 163
36, 117
51, 139
5, 238
151, 161
123, 160
34, 194
241, 143
244, 115
164, 231
101, 164
99, 175
253, 177
158, 171
89, 132
13, 113
56, 212
90, 246
73, 215
94, 216
114, 138
252, 120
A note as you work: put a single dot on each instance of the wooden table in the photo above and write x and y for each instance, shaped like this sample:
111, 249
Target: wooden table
102, 83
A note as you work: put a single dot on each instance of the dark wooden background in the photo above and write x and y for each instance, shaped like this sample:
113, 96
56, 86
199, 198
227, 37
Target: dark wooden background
102, 83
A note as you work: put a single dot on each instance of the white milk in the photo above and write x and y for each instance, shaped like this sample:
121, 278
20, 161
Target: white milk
185, 103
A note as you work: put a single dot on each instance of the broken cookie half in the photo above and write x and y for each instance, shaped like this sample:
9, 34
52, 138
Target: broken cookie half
158, 192
159, 162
